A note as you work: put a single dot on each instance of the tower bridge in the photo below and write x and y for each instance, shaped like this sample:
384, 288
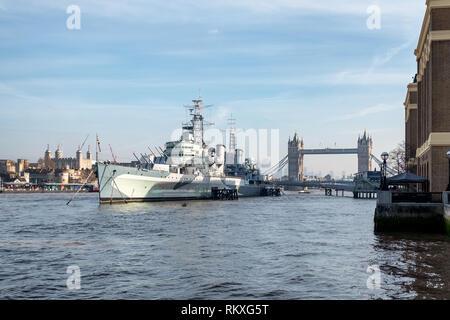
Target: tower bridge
365, 184
296, 153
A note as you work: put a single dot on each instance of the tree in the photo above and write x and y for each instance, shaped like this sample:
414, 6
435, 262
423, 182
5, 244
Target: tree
398, 158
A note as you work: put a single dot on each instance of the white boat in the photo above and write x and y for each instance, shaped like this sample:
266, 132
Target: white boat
186, 169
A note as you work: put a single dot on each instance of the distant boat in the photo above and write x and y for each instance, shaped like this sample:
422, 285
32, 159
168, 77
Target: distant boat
305, 190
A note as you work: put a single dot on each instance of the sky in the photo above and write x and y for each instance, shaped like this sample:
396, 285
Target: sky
286, 66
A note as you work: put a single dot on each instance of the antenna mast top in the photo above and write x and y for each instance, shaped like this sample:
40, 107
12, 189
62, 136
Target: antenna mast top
232, 123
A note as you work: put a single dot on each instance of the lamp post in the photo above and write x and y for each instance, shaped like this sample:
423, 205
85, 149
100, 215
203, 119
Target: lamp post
384, 156
448, 156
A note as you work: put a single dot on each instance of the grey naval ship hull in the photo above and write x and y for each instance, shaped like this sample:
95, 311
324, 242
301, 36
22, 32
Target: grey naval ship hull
119, 183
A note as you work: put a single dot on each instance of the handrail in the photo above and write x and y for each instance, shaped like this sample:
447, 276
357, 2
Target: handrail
417, 197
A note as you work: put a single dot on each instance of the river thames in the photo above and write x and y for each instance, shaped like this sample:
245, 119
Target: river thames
298, 246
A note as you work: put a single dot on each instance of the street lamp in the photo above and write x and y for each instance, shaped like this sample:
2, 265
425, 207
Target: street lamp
384, 156
448, 156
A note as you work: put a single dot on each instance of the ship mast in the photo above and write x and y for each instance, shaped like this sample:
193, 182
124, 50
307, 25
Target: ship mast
197, 121
232, 124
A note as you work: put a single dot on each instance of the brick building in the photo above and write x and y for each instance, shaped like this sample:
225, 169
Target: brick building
427, 105
411, 124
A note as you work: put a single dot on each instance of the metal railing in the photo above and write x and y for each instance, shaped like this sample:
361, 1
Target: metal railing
417, 197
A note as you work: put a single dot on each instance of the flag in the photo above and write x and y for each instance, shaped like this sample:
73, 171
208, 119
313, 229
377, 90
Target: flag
98, 144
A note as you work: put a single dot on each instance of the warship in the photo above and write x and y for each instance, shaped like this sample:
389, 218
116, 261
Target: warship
187, 169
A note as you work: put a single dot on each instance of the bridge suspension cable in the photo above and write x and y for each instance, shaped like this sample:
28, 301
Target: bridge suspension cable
276, 170
379, 162
277, 166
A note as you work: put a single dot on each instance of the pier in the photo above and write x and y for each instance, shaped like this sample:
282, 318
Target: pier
361, 188
365, 194
232, 194
224, 194
271, 192
413, 212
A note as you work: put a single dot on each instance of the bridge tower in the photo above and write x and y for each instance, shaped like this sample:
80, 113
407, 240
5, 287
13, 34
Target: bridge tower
295, 159
364, 152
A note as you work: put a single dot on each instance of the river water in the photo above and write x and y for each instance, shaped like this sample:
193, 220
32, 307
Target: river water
298, 246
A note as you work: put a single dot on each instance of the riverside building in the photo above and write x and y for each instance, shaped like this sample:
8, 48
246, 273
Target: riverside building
427, 104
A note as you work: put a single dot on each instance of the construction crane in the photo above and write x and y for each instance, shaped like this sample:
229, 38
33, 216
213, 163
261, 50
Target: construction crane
113, 156
82, 145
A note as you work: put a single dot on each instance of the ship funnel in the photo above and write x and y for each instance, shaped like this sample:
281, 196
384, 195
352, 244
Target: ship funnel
238, 157
220, 154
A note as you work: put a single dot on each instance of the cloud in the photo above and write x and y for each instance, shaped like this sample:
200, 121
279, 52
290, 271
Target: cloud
10, 91
213, 31
263, 50
190, 10
220, 114
355, 77
38, 64
381, 60
371, 76
345, 78
363, 113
